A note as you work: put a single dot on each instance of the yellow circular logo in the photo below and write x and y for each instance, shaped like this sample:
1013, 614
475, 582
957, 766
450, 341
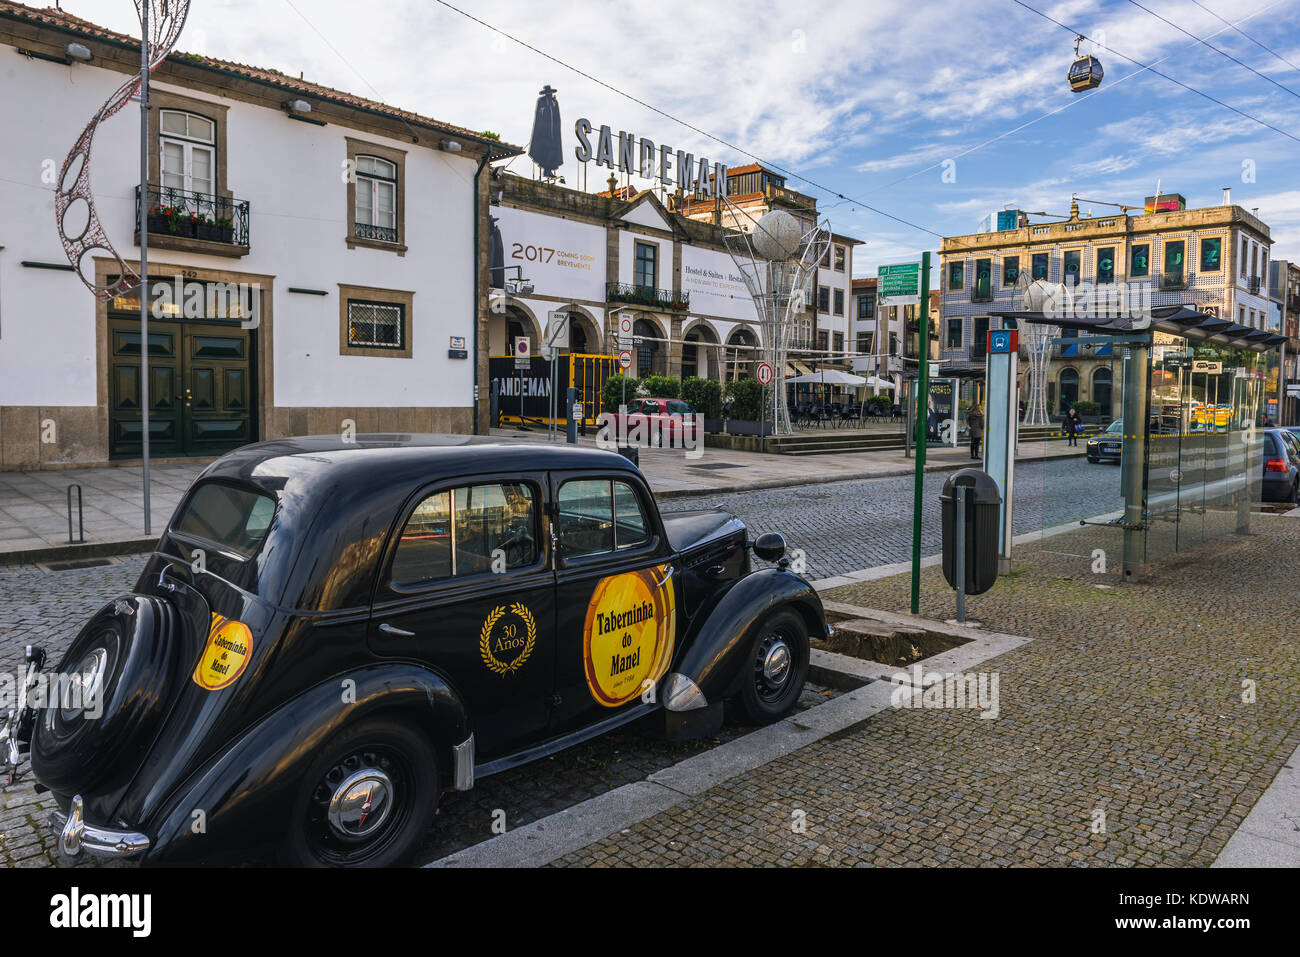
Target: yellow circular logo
225, 655
630, 629
507, 638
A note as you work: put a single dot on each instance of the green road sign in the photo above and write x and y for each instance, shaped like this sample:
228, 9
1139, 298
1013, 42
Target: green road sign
899, 284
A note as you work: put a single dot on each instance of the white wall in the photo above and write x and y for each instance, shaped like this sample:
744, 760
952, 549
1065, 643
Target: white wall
716, 285
291, 173
627, 241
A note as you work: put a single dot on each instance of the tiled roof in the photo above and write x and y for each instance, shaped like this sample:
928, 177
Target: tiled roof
61, 20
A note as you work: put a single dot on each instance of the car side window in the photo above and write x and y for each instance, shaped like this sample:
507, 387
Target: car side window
599, 515
630, 525
466, 531
678, 407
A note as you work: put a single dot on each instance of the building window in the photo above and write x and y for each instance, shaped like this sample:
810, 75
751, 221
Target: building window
1073, 260
983, 290
839, 302
1173, 271
1038, 266
374, 322
979, 338
1106, 264
865, 341
893, 343
824, 299
954, 333
646, 269
1010, 270
187, 145
866, 307
839, 259
1101, 390
376, 197
1140, 264
1211, 255
1245, 246
838, 346
375, 325
956, 275
1254, 256
823, 340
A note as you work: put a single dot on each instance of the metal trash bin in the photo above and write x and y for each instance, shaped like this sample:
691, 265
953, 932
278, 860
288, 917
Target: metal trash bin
981, 538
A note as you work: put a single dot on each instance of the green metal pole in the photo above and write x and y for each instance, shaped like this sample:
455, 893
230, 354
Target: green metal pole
921, 422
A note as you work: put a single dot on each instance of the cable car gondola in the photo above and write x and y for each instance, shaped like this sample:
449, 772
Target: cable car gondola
1085, 72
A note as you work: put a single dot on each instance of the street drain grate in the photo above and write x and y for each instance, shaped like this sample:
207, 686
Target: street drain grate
717, 465
72, 564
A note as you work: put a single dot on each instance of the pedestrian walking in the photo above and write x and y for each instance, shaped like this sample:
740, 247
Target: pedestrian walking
975, 423
1072, 425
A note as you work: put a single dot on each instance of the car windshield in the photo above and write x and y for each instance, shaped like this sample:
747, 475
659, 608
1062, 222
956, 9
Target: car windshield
1116, 427
236, 519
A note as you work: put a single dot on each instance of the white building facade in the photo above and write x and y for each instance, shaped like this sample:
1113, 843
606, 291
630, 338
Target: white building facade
354, 222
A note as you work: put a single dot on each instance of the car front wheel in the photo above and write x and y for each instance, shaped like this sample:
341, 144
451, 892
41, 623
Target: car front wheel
368, 800
777, 667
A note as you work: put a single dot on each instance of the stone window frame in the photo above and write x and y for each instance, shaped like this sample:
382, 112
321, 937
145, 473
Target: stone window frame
397, 157
349, 293
218, 113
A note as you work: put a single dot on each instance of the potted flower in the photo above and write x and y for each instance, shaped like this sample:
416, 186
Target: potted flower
205, 228
225, 227
162, 219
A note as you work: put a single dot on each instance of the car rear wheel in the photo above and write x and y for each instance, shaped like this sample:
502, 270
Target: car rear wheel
368, 800
777, 668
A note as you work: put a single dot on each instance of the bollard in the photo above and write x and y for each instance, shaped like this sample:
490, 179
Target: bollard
571, 432
494, 404
81, 521
961, 553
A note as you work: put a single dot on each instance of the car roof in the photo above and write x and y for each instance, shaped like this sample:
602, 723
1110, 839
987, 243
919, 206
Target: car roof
387, 459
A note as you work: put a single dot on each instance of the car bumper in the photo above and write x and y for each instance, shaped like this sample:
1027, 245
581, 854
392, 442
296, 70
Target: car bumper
1277, 487
77, 837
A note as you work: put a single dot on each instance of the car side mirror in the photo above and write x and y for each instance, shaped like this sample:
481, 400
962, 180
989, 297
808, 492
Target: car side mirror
769, 546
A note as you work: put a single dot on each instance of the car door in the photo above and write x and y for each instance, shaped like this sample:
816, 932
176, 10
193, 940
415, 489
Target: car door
617, 605
467, 589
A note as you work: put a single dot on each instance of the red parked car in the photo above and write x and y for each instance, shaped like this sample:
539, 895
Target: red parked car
671, 418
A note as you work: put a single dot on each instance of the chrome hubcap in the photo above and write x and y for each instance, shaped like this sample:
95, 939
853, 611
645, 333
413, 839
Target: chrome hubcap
776, 663
361, 804
84, 685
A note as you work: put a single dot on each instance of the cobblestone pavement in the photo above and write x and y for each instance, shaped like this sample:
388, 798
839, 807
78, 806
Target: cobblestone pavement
48, 608
846, 526
1123, 737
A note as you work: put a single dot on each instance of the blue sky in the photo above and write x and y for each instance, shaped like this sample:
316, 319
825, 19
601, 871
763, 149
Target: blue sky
867, 99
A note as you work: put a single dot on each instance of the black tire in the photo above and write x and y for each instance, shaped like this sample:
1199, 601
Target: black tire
137, 642
763, 698
1093, 459
407, 760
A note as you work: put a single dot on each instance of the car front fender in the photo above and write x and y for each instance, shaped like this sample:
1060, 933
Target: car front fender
718, 637
238, 804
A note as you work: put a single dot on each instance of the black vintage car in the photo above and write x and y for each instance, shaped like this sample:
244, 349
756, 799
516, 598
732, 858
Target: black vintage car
330, 634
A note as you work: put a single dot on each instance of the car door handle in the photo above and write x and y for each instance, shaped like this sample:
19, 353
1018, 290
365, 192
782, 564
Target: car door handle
396, 632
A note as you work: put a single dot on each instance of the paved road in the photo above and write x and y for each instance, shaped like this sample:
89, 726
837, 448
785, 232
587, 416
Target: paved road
846, 526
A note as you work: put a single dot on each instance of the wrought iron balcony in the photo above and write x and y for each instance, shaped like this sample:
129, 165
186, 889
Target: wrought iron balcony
647, 296
179, 214
380, 234
1253, 284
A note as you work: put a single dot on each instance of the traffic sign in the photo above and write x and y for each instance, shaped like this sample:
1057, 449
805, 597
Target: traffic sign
523, 352
1200, 365
557, 329
625, 332
625, 360
898, 284
764, 373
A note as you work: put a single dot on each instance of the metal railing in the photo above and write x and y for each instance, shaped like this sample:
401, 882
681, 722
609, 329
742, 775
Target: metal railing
382, 234
647, 296
187, 215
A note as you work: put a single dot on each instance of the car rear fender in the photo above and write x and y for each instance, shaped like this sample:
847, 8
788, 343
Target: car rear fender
719, 636
240, 801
